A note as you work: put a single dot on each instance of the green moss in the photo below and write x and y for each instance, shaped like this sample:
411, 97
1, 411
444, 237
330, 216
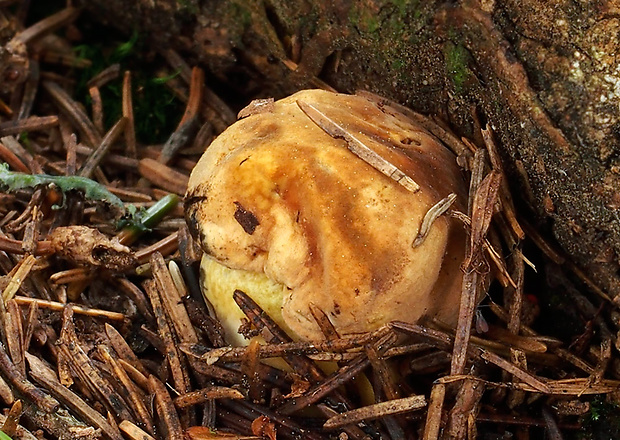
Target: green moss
242, 13
602, 422
156, 109
457, 59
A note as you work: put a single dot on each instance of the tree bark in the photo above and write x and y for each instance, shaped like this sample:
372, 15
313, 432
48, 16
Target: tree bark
543, 74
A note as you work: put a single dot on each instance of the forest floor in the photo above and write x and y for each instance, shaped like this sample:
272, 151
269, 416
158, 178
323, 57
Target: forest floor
103, 326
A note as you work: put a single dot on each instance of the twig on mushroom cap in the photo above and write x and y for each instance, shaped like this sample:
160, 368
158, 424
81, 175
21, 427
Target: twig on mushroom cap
431, 215
357, 147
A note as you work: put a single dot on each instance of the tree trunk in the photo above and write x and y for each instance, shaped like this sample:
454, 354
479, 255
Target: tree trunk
543, 74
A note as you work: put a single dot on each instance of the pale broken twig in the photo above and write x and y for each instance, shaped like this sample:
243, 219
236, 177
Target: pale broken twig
431, 215
357, 147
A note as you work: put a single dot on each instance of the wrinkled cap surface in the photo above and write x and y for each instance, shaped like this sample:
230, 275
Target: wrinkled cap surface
275, 194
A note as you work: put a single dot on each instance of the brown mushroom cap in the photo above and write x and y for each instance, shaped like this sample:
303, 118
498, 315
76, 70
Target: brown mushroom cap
275, 194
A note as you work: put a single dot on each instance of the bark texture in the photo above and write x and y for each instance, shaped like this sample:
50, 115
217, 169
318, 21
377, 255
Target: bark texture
544, 74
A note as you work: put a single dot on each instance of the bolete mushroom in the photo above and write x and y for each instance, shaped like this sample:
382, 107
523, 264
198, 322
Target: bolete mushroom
287, 213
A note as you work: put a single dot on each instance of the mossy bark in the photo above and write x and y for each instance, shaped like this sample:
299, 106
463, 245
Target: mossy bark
544, 75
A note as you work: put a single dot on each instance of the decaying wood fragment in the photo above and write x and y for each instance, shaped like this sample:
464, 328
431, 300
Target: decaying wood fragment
87, 246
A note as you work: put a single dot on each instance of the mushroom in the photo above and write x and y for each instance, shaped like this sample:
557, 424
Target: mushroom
287, 213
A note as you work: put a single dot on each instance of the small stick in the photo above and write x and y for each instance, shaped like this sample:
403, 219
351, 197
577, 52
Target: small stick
59, 307
166, 410
431, 215
133, 432
106, 143
464, 410
6, 393
24, 268
314, 80
12, 159
123, 350
108, 74
357, 147
327, 328
135, 398
69, 140
127, 106
274, 334
382, 409
180, 379
203, 395
83, 366
489, 142
30, 90
330, 384
33, 123
9, 427
71, 275
6, 109
165, 246
113, 159
12, 144
433, 416
496, 258
517, 372
137, 296
97, 108
47, 378
73, 111
31, 323
15, 335
187, 125
45, 26
552, 429
171, 300
469, 292
140, 379
232, 354
163, 176
34, 395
